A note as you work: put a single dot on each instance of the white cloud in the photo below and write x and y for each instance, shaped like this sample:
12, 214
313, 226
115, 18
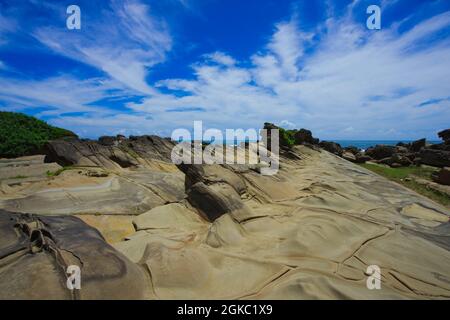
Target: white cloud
354, 83
60, 94
123, 42
7, 25
367, 81
220, 58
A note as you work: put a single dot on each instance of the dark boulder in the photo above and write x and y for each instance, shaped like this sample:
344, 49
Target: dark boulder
36, 251
150, 147
210, 174
349, 156
380, 152
444, 135
332, 147
397, 159
303, 136
215, 190
402, 144
417, 145
109, 152
443, 176
436, 158
400, 149
440, 146
87, 153
216, 200
362, 158
352, 149
108, 141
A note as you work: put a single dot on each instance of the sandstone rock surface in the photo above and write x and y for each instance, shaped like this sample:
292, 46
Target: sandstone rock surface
35, 252
228, 232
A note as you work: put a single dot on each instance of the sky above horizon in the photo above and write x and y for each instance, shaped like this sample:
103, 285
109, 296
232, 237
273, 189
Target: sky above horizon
149, 67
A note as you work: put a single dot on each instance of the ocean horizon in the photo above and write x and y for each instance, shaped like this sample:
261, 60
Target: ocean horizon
361, 144
364, 144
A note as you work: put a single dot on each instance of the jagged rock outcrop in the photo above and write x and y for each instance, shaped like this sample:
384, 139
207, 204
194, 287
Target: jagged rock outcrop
210, 174
443, 176
417, 145
214, 191
88, 153
436, 158
112, 153
352, 149
380, 152
35, 252
397, 160
332, 147
349, 156
362, 158
445, 135
303, 136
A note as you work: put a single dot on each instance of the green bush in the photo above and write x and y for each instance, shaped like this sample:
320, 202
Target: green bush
22, 135
287, 137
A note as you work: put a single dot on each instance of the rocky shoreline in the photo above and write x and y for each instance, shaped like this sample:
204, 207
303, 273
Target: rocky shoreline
416, 153
141, 227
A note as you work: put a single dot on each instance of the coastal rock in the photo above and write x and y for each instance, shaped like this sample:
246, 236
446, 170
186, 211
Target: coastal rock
332, 147
26, 167
108, 141
443, 176
417, 145
43, 248
362, 158
320, 215
445, 135
303, 136
397, 160
112, 153
440, 146
380, 152
87, 153
216, 200
402, 144
150, 147
401, 149
349, 156
352, 149
210, 174
437, 158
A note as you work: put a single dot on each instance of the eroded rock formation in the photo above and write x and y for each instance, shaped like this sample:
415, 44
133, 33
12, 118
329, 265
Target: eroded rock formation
224, 231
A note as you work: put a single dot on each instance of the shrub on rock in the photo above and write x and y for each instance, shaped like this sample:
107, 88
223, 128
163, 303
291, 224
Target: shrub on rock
22, 135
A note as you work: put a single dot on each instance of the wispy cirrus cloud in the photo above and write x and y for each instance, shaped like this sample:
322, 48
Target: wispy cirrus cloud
60, 95
124, 40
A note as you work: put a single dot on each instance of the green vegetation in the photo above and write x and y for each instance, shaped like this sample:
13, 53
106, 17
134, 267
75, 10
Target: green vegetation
22, 135
405, 176
400, 173
287, 137
58, 172
19, 177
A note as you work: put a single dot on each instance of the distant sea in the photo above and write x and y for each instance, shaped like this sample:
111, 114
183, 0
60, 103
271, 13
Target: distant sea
365, 144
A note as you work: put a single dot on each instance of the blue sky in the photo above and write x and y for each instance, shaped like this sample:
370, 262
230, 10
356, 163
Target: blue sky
149, 67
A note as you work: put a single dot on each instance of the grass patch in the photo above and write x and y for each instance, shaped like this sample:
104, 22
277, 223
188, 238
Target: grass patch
59, 171
399, 175
19, 177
